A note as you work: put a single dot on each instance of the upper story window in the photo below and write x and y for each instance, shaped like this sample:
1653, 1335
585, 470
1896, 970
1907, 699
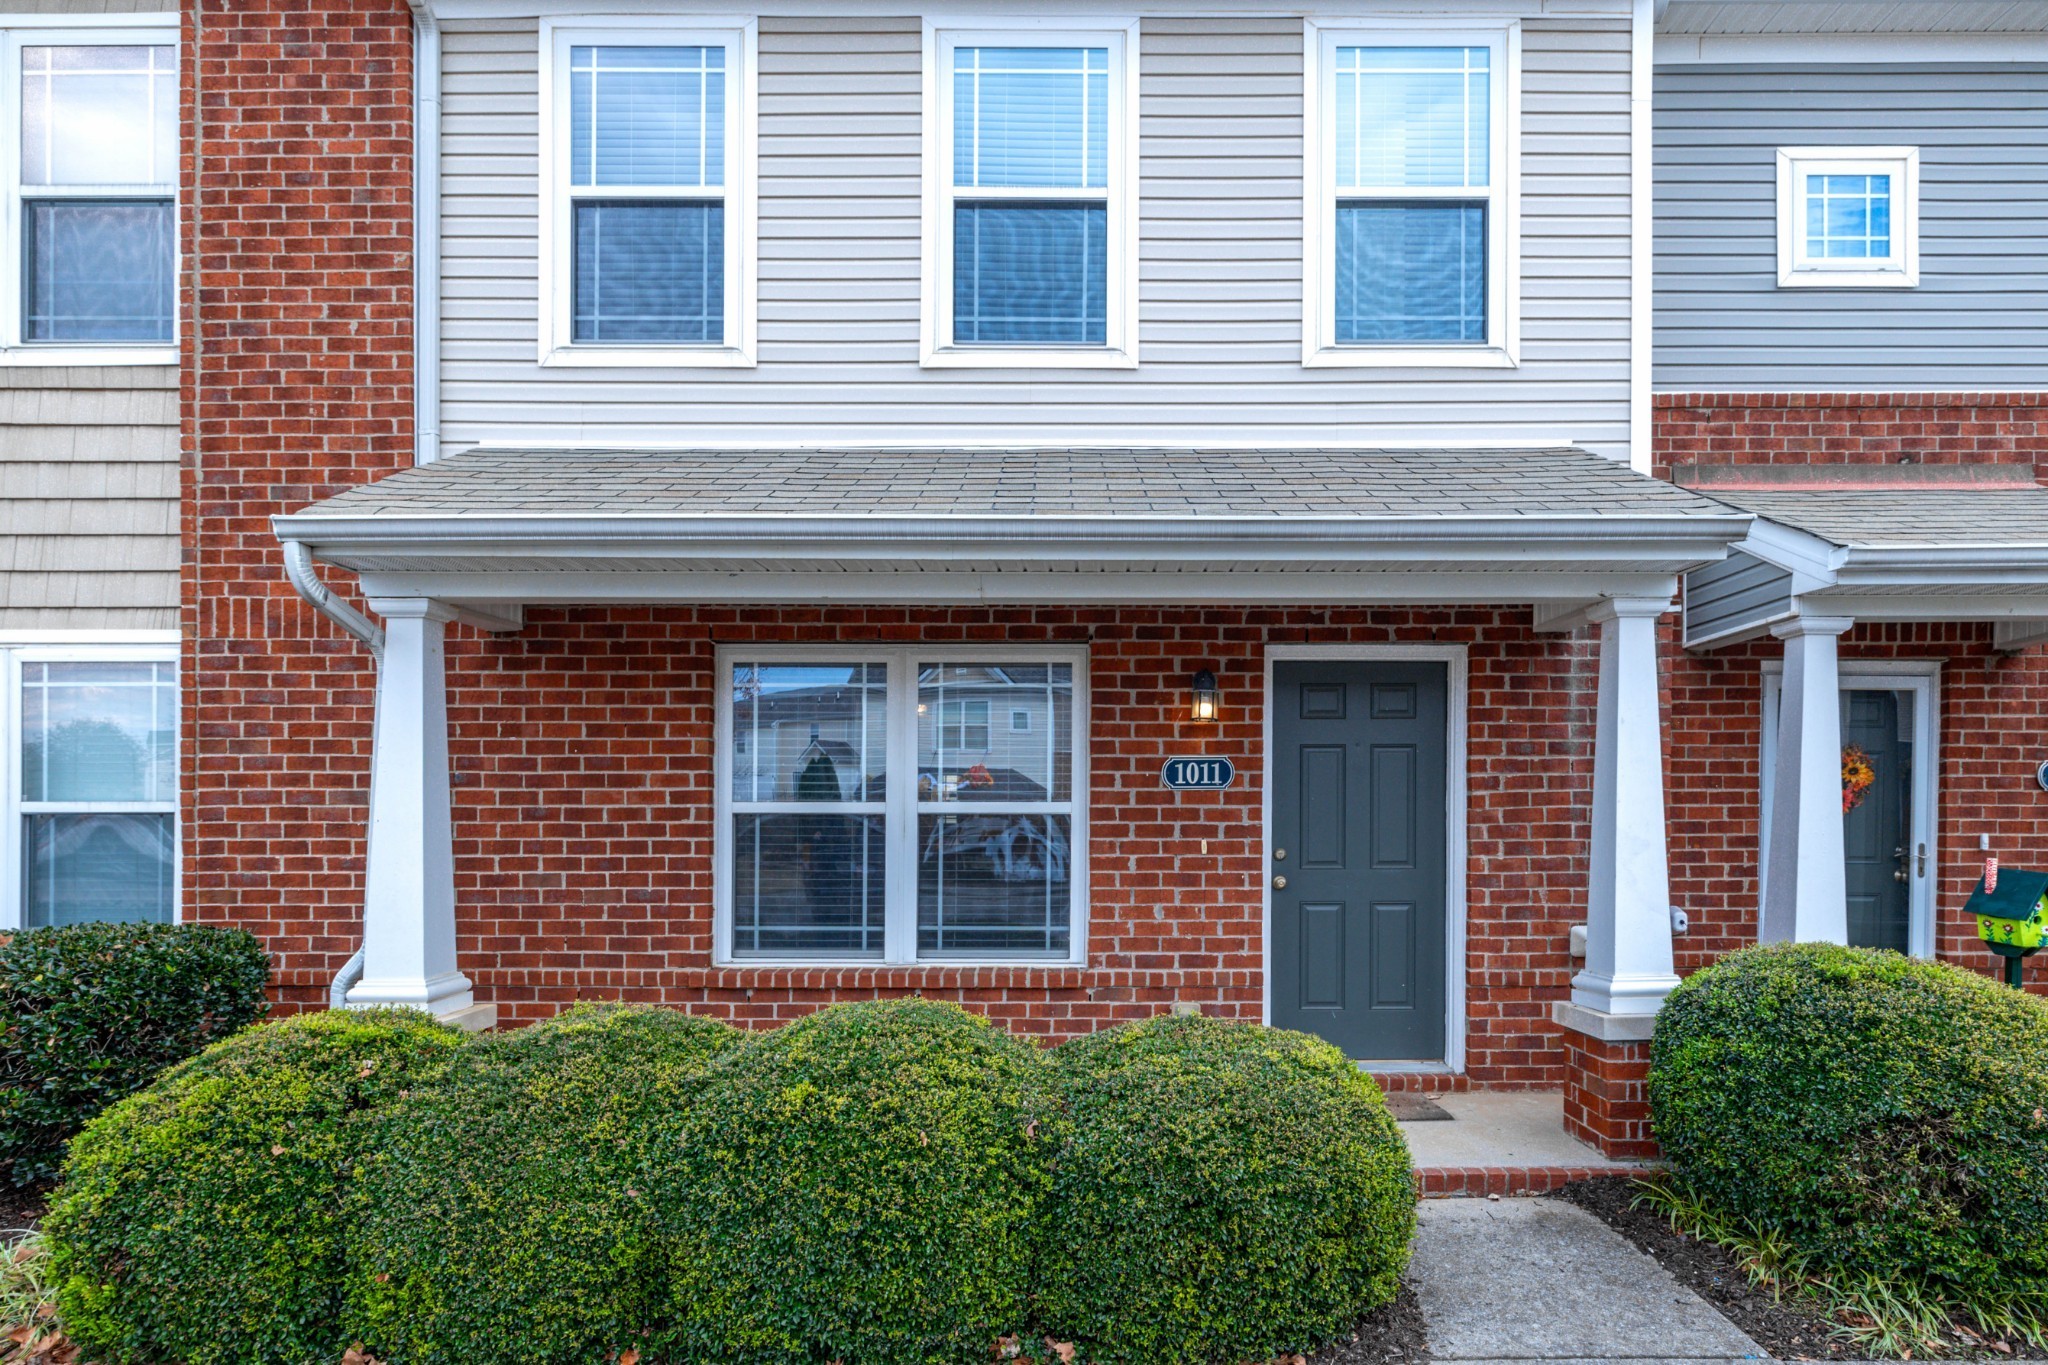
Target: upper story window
1030, 231
90, 801
92, 217
1849, 216
648, 221
1410, 243
870, 810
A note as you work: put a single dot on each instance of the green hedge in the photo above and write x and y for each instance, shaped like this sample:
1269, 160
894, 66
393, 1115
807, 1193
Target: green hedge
862, 1185
202, 1221
1228, 1192
503, 1214
1882, 1114
92, 1012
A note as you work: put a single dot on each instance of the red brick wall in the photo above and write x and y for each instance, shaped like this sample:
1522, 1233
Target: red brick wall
1607, 1096
1992, 705
1850, 428
582, 751
297, 382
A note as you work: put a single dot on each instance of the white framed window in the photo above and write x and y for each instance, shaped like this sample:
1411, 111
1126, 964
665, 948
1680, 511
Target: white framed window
868, 811
648, 204
1411, 232
1848, 217
89, 808
89, 153
1030, 195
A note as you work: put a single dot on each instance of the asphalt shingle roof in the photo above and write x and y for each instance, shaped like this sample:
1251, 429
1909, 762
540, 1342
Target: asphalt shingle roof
1942, 517
490, 482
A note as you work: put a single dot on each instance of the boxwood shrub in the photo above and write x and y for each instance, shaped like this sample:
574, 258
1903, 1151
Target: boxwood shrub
202, 1221
92, 1012
502, 1211
1882, 1114
861, 1185
1227, 1192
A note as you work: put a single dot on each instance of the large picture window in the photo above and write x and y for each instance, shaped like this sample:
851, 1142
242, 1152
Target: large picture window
92, 786
650, 219
871, 811
93, 164
1411, 232
1029, 176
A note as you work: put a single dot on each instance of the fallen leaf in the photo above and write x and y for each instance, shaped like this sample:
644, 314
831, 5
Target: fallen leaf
629, 1356
277, 1151
1063, 1349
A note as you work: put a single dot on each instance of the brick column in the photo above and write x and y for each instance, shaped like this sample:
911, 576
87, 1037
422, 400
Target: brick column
1606, 1095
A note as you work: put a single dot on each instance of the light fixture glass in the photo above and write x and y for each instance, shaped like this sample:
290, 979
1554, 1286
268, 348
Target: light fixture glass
1203, 705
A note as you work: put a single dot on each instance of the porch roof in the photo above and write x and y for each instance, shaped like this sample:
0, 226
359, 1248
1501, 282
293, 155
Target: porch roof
1456, 525
1873, 542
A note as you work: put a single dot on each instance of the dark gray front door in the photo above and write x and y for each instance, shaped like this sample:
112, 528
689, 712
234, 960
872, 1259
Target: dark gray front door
1358, 771
1877, 831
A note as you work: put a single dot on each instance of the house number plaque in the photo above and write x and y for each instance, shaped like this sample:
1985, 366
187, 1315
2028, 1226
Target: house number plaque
1197, 774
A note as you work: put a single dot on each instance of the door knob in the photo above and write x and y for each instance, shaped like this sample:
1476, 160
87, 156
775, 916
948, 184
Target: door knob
1279, 883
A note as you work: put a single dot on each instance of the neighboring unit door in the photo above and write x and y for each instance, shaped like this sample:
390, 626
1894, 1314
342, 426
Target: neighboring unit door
1876, 830
1357, 854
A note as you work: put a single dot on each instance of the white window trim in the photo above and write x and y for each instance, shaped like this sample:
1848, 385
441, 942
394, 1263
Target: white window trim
1901, 270
1921, 679
1119, 350
13, 892
16, 32
738, 35
1503, 346
901, 806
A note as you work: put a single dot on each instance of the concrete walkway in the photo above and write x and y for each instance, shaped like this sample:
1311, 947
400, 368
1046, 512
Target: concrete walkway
1537, 1279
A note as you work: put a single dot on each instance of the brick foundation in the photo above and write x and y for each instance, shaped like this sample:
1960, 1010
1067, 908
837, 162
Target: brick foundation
1606, 1096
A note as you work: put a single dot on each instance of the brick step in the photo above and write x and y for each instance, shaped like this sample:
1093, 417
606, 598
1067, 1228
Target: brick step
1478, 1182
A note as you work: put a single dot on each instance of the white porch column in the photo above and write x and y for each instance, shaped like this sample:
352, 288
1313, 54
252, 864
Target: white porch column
1628, 903
1806, 897
409, 888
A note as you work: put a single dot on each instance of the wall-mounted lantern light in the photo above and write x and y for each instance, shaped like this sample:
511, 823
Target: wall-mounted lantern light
1202, 698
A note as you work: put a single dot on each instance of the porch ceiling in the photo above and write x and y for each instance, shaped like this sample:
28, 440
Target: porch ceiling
538, 525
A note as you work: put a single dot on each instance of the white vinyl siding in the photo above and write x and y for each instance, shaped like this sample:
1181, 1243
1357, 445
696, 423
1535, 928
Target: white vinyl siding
1219, 261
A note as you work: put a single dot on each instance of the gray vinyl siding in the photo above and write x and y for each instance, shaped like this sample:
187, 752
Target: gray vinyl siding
1220, 276
1738, 591
88, 498
1979, 318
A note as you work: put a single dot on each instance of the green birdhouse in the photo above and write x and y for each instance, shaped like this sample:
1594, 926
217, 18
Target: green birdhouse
2014, 918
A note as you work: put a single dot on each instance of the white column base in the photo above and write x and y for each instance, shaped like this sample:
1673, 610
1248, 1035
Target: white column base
1629, 965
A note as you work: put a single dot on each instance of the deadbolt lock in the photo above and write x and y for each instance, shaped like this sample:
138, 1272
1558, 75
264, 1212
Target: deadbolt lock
1279, 855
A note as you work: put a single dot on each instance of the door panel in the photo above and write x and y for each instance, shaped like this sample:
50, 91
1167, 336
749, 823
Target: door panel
1358, 773
1877, 833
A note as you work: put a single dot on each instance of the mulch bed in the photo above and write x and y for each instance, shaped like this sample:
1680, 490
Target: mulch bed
21, 1207
1388, 1336
1789, 1331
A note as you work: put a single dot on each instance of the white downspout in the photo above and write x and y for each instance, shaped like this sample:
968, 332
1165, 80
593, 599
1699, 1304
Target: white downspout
298, 568
426, 233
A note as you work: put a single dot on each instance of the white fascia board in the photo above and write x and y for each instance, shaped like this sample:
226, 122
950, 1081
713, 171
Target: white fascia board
1812, 560
1934, 606
1669, 544
1443, 587
1820, 49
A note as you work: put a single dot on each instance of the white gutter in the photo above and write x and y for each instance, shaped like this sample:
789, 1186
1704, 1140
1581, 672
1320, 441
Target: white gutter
426, 233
